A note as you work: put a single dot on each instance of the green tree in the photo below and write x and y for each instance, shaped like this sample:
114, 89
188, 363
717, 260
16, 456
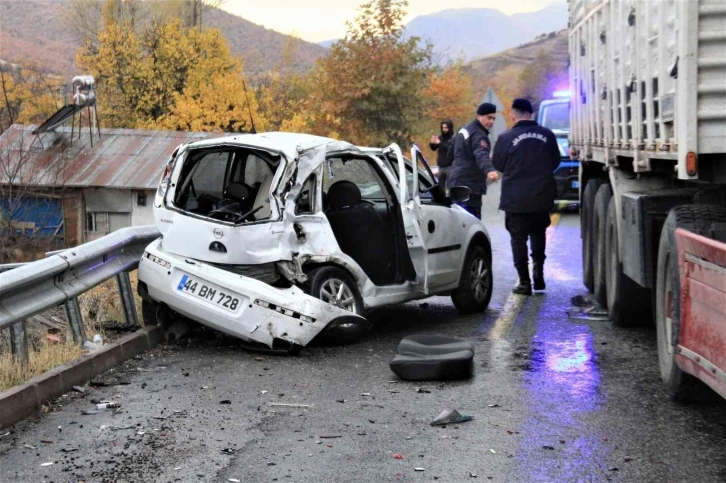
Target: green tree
370, 86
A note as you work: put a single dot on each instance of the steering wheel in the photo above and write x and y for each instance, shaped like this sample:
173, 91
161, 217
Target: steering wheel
238, 191
228, 212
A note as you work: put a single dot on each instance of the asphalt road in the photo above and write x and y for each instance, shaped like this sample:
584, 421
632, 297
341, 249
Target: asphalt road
554, 399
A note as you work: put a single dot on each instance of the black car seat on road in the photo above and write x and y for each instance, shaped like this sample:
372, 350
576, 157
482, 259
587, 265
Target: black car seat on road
360, 231
430, 357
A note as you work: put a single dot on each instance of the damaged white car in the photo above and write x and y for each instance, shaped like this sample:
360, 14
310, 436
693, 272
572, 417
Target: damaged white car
279, 238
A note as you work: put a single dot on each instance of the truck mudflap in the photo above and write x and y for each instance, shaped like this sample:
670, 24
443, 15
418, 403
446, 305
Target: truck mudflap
702, 340
240, 306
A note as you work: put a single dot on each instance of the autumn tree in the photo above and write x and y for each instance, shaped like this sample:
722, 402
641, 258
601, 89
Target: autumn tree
165, 75
27, 94
448, 95
370, 85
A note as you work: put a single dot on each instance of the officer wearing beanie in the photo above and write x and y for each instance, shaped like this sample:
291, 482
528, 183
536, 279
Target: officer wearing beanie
527, 156
472, 167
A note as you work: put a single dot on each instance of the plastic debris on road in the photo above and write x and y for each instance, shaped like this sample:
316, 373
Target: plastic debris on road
450, 416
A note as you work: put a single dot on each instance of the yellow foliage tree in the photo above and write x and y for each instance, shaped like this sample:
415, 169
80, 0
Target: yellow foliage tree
27, 95
163, 75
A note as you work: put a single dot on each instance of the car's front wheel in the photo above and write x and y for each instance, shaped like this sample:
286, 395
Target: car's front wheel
475, 283
335, 287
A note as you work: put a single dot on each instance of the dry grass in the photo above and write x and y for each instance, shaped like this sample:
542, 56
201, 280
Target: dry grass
101, 309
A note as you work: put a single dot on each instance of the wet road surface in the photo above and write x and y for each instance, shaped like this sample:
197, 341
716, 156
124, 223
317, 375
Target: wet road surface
553, 400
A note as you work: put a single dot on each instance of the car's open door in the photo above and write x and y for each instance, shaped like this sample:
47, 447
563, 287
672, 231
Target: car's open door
411, 224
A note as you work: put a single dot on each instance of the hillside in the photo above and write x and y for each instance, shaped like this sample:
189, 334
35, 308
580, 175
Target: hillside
35, 30
453, 31
512, 62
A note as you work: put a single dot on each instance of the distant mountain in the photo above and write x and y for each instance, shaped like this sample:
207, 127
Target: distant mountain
512, 61
35, 30
472, 33
327, 43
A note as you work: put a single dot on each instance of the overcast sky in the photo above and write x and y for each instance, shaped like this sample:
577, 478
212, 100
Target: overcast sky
317, 20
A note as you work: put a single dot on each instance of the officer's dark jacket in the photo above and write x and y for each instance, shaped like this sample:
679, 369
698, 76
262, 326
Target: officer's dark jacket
527, 155
445, 142
471, 159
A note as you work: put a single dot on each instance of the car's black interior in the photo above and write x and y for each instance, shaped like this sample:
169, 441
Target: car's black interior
360, 231
369, 230
230, 185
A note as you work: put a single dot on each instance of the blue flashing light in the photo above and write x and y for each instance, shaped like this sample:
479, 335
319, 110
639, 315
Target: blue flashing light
561, 94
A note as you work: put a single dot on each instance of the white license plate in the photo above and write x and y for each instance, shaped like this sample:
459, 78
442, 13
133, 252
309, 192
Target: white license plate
209, 293
575, 184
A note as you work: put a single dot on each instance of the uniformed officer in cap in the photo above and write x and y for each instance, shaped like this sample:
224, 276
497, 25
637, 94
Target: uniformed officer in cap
527, 156
472, 166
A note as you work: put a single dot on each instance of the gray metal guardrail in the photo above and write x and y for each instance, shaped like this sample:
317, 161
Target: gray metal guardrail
31, 288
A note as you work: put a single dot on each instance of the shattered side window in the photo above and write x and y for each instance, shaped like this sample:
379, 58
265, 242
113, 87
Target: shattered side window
358, 171
208, 176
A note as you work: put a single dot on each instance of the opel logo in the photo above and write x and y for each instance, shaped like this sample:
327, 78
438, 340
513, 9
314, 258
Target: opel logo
218, 233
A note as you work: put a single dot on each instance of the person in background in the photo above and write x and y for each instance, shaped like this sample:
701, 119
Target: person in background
441, 144
527, 156
472, 167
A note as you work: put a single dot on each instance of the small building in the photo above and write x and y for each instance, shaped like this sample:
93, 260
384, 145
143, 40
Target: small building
83, 188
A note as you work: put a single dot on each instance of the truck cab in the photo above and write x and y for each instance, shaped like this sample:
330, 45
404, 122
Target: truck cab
555, 115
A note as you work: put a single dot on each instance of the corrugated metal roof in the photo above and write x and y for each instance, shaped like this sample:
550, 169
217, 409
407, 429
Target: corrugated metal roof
121, 158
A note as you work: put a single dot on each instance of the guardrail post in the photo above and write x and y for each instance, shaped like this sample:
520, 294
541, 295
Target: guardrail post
75, 320
19, 343
127, 299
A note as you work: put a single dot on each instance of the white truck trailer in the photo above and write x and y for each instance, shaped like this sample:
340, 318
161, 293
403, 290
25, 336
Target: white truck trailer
648, 127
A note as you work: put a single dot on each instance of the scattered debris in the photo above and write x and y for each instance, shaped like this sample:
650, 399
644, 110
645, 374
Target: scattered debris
397, 456
263, 392
46, 441
234, 480
493, 405
69, 450
331, 437
228, 451
371, 421
419, 469
423, 390
366, 394
584, 307
472, 475
340, 400
53, 338
108, 405
80, 389
6, 434
551, 448
50, 463
285, 405
492, 451
27, 446
450, 416
614, 469
628, 459
225, 401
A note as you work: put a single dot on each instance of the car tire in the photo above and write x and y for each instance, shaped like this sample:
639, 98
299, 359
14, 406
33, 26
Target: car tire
586, 222
322, 283
475, 282
627, 302
599, 225
698, 219
153, 313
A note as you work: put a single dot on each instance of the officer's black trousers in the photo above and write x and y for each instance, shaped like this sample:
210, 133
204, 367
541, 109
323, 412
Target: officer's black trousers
522, 226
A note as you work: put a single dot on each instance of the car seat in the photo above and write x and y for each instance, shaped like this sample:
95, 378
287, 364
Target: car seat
360, 231
433, 357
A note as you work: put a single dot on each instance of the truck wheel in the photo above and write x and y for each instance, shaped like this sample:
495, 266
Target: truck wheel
586, 221
599, 228
628, 303
336, 287
475, 283
698, 219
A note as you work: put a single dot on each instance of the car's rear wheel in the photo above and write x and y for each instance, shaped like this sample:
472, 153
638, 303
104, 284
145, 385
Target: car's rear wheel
475, 283
335, 287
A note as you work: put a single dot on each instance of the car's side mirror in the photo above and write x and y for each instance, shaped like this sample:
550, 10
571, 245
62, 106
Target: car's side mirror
459, 194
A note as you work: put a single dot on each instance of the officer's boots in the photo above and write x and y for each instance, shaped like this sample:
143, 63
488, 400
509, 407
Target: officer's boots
525, 286
538, 275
